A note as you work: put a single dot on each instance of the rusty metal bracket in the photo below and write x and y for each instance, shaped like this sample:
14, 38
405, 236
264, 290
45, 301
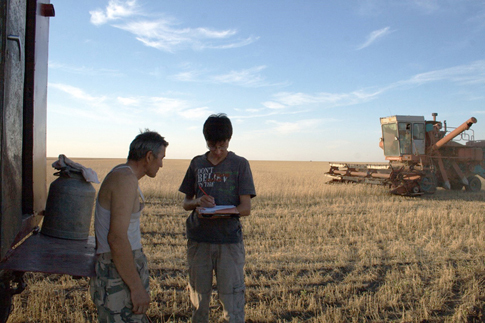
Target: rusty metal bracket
47, 10
444, 175
19, 43
464, 180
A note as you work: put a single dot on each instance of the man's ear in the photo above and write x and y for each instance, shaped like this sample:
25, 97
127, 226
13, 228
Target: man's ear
149, 156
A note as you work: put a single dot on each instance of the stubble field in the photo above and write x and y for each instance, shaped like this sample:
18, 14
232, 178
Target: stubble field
314, 253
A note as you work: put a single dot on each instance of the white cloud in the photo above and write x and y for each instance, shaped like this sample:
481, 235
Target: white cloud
479, 18
84, 105
83, 70
163, 105
189, 76
473, 73
236, 44
196, 113
126, 110
428, 6
167, 106
65, 109
247, 77
295, 99
250, 77
374, 8
325, 100
294, 127
208, 33
115, 10
165, 34
159, 34
464, 75
76, 92
374, 36
127, 101
274, 105
258, 113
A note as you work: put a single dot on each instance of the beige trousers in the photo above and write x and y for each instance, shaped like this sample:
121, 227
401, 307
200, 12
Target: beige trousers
227, 262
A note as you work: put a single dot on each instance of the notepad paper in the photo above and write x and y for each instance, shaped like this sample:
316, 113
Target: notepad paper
218, 209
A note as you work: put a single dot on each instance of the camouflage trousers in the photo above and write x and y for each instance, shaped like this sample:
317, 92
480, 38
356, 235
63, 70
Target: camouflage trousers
109, 292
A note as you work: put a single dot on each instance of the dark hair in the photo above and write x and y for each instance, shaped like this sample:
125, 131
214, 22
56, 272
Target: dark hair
217, 128
143, 143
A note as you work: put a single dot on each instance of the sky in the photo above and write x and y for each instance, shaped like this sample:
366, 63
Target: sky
300, 80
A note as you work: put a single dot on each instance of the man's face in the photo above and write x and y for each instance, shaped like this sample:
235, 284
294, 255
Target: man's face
155, 162
218, 149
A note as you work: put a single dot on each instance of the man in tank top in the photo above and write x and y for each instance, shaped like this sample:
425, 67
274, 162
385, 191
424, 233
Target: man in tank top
120, 289
215, 245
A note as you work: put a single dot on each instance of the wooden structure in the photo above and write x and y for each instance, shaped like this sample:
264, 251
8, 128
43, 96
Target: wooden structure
24, 35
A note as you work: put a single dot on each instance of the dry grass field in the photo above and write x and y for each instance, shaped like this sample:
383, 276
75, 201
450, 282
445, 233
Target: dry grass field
315, 253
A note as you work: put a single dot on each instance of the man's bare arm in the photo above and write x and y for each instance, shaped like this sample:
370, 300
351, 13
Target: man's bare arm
244, 206
124, 195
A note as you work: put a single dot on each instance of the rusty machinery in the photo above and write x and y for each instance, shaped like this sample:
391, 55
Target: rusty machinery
422, 156
24, 33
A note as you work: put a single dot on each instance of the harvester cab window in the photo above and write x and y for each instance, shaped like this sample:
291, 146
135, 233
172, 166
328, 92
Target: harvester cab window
405, 136
418, 131
418, 139
390, 140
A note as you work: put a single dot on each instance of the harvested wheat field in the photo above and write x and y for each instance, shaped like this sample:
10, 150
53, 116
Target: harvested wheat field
314, 253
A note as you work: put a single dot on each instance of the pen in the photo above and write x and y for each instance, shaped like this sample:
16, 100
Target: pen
203, 191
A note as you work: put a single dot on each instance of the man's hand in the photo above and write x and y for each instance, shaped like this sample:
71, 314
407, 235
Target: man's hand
190, 202
141, 301
207, 201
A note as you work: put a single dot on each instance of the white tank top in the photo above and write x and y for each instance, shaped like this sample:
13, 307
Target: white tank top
102, 219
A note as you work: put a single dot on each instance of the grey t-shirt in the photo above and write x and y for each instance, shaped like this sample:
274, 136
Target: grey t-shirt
225, 182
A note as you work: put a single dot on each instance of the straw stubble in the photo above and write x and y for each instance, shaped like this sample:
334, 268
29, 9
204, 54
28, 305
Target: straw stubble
314, 253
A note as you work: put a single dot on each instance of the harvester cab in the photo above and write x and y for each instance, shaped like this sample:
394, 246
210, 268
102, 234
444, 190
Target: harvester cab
403, 137
422, 156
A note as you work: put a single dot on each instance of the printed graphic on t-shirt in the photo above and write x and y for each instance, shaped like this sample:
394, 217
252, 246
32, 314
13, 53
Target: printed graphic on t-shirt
206, 177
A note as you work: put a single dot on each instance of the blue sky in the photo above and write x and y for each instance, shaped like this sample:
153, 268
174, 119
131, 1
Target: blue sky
300, 80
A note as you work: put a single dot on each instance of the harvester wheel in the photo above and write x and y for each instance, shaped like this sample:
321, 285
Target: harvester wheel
415, 189
428, 183
474, 184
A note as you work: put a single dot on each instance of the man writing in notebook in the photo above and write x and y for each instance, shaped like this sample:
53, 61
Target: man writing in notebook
215, 244
120, 288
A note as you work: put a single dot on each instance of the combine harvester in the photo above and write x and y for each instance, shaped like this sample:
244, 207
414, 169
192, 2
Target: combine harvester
422, 157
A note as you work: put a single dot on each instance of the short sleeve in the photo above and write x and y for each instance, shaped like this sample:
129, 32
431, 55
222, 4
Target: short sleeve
246, 183
188, 184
